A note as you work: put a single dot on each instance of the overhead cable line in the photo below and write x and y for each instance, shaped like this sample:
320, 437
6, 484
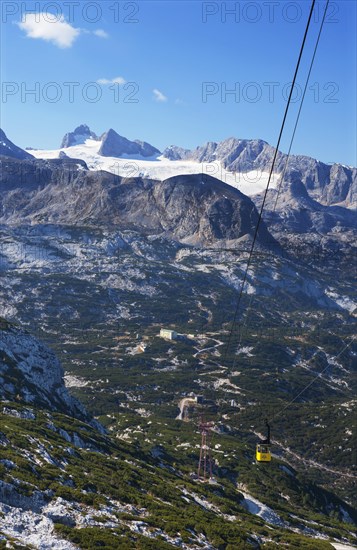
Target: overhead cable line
289, 151
269, 179
301, 104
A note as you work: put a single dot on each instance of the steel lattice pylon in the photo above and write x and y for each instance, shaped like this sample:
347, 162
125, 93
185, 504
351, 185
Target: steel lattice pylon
205, 462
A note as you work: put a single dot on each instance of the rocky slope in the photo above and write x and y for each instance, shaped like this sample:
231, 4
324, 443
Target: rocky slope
9, 149
66, 485
291, 208
196, 209
31, 373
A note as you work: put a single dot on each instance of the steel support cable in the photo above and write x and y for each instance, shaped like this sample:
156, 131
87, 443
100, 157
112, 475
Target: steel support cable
269, 179
300, 107
290, 146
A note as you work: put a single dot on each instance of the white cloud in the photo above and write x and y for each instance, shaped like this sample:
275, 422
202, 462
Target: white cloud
47, 26
101, 33
116, 80
159, 96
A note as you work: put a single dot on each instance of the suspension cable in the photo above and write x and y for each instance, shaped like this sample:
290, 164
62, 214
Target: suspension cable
268, 184
300, 108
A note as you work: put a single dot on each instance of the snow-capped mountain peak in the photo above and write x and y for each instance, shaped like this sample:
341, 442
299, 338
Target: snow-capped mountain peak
78, 136
114, 145
242, 163
118, 155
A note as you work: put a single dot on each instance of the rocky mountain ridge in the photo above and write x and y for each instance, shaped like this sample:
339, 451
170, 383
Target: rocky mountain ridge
194, 209
99, 197
112, 144
291, 208
329, 184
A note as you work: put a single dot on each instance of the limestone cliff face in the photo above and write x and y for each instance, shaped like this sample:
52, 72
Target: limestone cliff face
31, 373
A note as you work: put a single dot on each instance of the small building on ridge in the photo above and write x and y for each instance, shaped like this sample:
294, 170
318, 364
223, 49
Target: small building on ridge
168, 334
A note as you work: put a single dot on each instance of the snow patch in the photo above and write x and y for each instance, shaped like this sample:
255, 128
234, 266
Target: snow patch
254, 506
343, 301
339, 546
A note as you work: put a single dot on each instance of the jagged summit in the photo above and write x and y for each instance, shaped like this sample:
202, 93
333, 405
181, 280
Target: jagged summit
9, 149
111, 143
114, 145
328, 184
78, 136
240, 155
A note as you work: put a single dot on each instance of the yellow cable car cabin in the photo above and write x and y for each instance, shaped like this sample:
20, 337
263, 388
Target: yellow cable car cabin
263, 453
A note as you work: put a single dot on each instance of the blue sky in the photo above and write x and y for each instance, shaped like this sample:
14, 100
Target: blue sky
174, 63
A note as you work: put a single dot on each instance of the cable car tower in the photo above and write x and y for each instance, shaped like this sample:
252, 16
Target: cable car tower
205, 462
